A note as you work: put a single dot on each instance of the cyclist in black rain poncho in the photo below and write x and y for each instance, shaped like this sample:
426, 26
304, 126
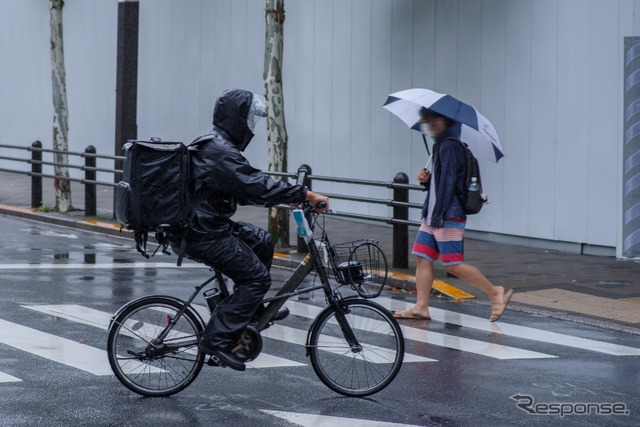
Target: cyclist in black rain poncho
221, 178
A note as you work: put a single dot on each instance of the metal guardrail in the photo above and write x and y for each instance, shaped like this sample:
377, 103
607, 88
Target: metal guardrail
399, 188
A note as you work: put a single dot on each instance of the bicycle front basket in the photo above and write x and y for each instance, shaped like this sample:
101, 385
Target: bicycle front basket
362, 265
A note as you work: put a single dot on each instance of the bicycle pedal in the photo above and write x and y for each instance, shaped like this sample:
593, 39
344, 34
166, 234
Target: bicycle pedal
214, 361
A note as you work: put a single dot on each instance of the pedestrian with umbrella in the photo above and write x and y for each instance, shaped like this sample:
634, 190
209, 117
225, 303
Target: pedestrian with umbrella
441, 234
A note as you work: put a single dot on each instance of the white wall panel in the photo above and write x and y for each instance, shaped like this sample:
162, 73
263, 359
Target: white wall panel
363, 144
573, 112
341, 105
90, 44
542, 143
546, 73
424, 65
446, 46
515, 134
381, 68
490, 87
322, 99
298, 77
604, 107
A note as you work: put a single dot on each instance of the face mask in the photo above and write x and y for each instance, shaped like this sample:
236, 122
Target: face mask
257, 110
426, 130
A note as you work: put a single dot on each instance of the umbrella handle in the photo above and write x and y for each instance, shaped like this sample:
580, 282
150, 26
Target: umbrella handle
428, 163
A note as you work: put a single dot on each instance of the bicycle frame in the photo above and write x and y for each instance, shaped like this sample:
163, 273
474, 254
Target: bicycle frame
313, 261
141, 340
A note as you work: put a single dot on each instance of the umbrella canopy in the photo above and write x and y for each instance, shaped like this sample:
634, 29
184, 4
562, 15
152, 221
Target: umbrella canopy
477, 131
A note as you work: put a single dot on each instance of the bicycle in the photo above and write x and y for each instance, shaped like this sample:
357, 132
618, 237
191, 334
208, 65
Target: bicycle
355, 345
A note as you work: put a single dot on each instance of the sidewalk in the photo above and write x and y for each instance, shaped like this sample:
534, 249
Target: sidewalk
590, 289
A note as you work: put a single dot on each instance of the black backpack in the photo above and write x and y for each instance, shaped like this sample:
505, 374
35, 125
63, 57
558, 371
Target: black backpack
471, 201
153, 195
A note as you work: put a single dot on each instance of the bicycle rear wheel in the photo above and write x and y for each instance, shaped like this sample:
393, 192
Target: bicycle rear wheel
363, 370
144, 364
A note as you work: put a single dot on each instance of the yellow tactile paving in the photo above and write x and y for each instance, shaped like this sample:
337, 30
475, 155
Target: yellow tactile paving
622, 309
451, 291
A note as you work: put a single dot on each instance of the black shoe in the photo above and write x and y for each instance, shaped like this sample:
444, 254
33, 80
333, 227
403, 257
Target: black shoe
282, 313
222, 357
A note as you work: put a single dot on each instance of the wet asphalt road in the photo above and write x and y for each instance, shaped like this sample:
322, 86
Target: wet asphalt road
476, 371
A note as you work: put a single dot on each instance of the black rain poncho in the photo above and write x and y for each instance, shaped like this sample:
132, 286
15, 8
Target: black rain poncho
221, 179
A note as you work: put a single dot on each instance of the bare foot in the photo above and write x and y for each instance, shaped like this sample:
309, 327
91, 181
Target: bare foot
412, 313
499, 303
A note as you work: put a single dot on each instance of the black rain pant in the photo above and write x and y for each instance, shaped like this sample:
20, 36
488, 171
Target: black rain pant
244, 255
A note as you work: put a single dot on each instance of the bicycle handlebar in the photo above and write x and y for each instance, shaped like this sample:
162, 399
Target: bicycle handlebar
303, 171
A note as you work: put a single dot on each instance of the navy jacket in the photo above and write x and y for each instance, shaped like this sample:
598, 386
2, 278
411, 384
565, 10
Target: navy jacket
449, 170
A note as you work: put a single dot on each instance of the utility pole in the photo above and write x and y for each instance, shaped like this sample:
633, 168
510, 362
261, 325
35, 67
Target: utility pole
126, 78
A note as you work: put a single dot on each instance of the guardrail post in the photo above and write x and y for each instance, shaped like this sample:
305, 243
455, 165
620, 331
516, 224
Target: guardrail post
302, 245
90, 197
36, 175
400, 231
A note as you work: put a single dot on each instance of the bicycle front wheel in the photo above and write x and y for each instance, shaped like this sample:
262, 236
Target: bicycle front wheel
359, 370
146, 364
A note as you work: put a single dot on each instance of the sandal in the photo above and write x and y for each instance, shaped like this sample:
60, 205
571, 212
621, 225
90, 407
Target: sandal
497, 309
409, 314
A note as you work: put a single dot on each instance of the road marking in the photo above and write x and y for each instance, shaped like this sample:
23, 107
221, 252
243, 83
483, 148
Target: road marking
315, 420
6, 378
482, 348
105, 266
299, 337
450, 290
100, 319
61, 350
373, 353
524, 332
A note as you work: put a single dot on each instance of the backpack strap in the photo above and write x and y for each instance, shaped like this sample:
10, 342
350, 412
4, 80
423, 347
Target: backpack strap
464, 147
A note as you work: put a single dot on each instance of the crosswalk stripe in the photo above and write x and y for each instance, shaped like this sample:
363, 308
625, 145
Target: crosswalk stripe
316, 420
495, 351
101, 319
104, 266
299, 337
518, 331
55, 348
6, 378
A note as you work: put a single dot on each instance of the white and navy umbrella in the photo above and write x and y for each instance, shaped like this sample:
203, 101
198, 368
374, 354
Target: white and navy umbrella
476, 130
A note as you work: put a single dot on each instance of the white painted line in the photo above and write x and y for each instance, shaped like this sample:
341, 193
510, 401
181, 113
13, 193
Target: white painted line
6, 378
263, 360
299, 337
331, 344
495, 351
100, 319
523, 332
61, 350
315, 420
75, 313
105, 266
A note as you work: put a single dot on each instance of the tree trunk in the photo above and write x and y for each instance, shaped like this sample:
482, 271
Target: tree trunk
60, 113
277, 138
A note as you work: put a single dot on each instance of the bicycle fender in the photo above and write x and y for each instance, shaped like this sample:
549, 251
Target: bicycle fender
167, 297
